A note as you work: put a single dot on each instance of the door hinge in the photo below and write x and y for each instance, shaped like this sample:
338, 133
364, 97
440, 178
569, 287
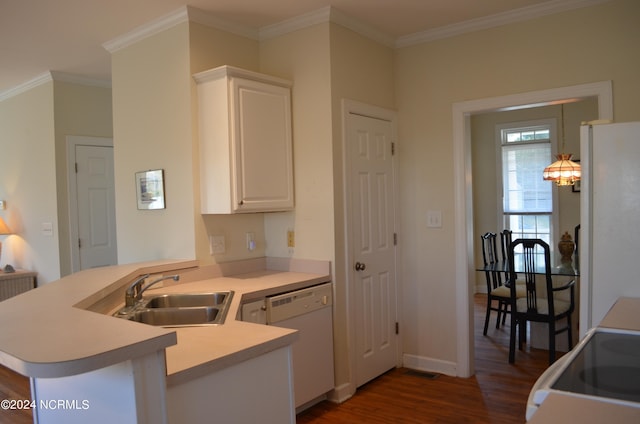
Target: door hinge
395, 239
76, 165
393, 148
79, 244
397, 328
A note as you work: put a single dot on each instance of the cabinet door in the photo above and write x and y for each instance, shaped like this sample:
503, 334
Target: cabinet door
262, 154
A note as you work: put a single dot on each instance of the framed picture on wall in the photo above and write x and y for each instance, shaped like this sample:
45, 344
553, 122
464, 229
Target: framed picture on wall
150, 189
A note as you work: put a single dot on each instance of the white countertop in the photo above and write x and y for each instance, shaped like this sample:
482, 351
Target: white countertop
562, 408
48, 331
203, 349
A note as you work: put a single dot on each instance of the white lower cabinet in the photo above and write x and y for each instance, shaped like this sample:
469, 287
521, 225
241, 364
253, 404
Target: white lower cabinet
246, 161
258, 390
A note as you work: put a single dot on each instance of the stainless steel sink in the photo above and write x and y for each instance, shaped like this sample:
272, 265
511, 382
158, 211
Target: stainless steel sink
180, 309
169, 317
182, 300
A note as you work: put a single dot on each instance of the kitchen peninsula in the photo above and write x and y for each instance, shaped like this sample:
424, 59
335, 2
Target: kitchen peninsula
106, 369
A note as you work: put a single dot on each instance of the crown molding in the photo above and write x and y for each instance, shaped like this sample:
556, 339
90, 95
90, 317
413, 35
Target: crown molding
80, 80
26, 86
183, 14
323, 15
513, 16
151, 28
207, 19
361, 28
50, 76
296, 23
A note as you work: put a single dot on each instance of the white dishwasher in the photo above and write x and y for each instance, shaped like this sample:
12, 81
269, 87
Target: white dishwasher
309, 311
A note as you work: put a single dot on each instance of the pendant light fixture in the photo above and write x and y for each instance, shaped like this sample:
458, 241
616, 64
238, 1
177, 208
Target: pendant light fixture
564, 172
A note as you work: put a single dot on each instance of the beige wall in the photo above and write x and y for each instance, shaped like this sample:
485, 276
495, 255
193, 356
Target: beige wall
581, 46
366, 77
210, 48
78, 110
303, 58
152, 118
33, 168
28, 182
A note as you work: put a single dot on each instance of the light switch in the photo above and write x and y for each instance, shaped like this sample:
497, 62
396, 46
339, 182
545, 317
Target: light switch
47, 229
434, 219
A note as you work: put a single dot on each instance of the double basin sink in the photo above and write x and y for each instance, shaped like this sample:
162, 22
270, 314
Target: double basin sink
180, 309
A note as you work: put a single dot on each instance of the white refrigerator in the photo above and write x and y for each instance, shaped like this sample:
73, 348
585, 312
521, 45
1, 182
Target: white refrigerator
610, 218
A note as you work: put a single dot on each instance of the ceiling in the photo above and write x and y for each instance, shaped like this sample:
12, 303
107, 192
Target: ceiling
37, 36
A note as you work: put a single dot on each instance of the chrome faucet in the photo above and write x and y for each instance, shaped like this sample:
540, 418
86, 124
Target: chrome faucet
135, 290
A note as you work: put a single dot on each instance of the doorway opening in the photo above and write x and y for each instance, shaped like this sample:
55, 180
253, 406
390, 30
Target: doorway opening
464, 228
91, 201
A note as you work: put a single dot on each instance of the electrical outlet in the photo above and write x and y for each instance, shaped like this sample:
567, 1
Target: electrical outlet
291, 238
434, 219
3, 205
216, 245
251, 242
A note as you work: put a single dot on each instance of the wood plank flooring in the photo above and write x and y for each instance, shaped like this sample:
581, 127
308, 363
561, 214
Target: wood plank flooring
496, 394
14, 386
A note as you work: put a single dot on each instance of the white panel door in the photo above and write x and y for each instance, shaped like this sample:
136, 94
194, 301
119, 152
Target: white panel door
96, 206
372, 238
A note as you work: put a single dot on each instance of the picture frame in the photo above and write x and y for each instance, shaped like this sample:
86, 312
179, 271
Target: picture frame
150, 189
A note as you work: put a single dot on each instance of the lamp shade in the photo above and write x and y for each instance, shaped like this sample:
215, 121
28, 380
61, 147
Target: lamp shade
4, 229
563, 172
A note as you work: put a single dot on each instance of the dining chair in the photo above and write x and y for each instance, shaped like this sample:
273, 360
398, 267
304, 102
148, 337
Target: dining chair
540, 303
496, 291
506, 237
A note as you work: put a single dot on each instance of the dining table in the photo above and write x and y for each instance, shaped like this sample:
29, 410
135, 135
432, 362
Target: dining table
564, 272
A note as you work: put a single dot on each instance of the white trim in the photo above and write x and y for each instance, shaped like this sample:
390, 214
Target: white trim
552, 124
422, 363
362, 28
296, 23
72, 142
206, 18
53, 76
464, 234
26, 86
505, 18
323, 15
80, 80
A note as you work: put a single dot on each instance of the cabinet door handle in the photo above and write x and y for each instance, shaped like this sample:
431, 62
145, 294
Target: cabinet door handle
360, 266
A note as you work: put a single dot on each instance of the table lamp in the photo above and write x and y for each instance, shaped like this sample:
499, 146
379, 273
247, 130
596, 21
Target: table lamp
4, 230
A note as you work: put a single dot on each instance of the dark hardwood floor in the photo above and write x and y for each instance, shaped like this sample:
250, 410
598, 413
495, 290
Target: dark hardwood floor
497, 393
14, 387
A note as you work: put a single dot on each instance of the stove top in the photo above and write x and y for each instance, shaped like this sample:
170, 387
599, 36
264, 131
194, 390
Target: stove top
608, 365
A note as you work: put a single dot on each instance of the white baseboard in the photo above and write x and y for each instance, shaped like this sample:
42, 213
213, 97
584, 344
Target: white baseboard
341, 393
422, 363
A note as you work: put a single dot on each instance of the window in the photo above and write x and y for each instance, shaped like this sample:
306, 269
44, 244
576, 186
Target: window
527, 206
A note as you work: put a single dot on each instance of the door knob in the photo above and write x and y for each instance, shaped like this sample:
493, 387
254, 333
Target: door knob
360, 266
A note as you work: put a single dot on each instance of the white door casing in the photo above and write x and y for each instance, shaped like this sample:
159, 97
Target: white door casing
464, 231
91, 202
372, 284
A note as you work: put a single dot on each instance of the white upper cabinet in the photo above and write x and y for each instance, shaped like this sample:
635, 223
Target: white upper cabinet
246, 161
